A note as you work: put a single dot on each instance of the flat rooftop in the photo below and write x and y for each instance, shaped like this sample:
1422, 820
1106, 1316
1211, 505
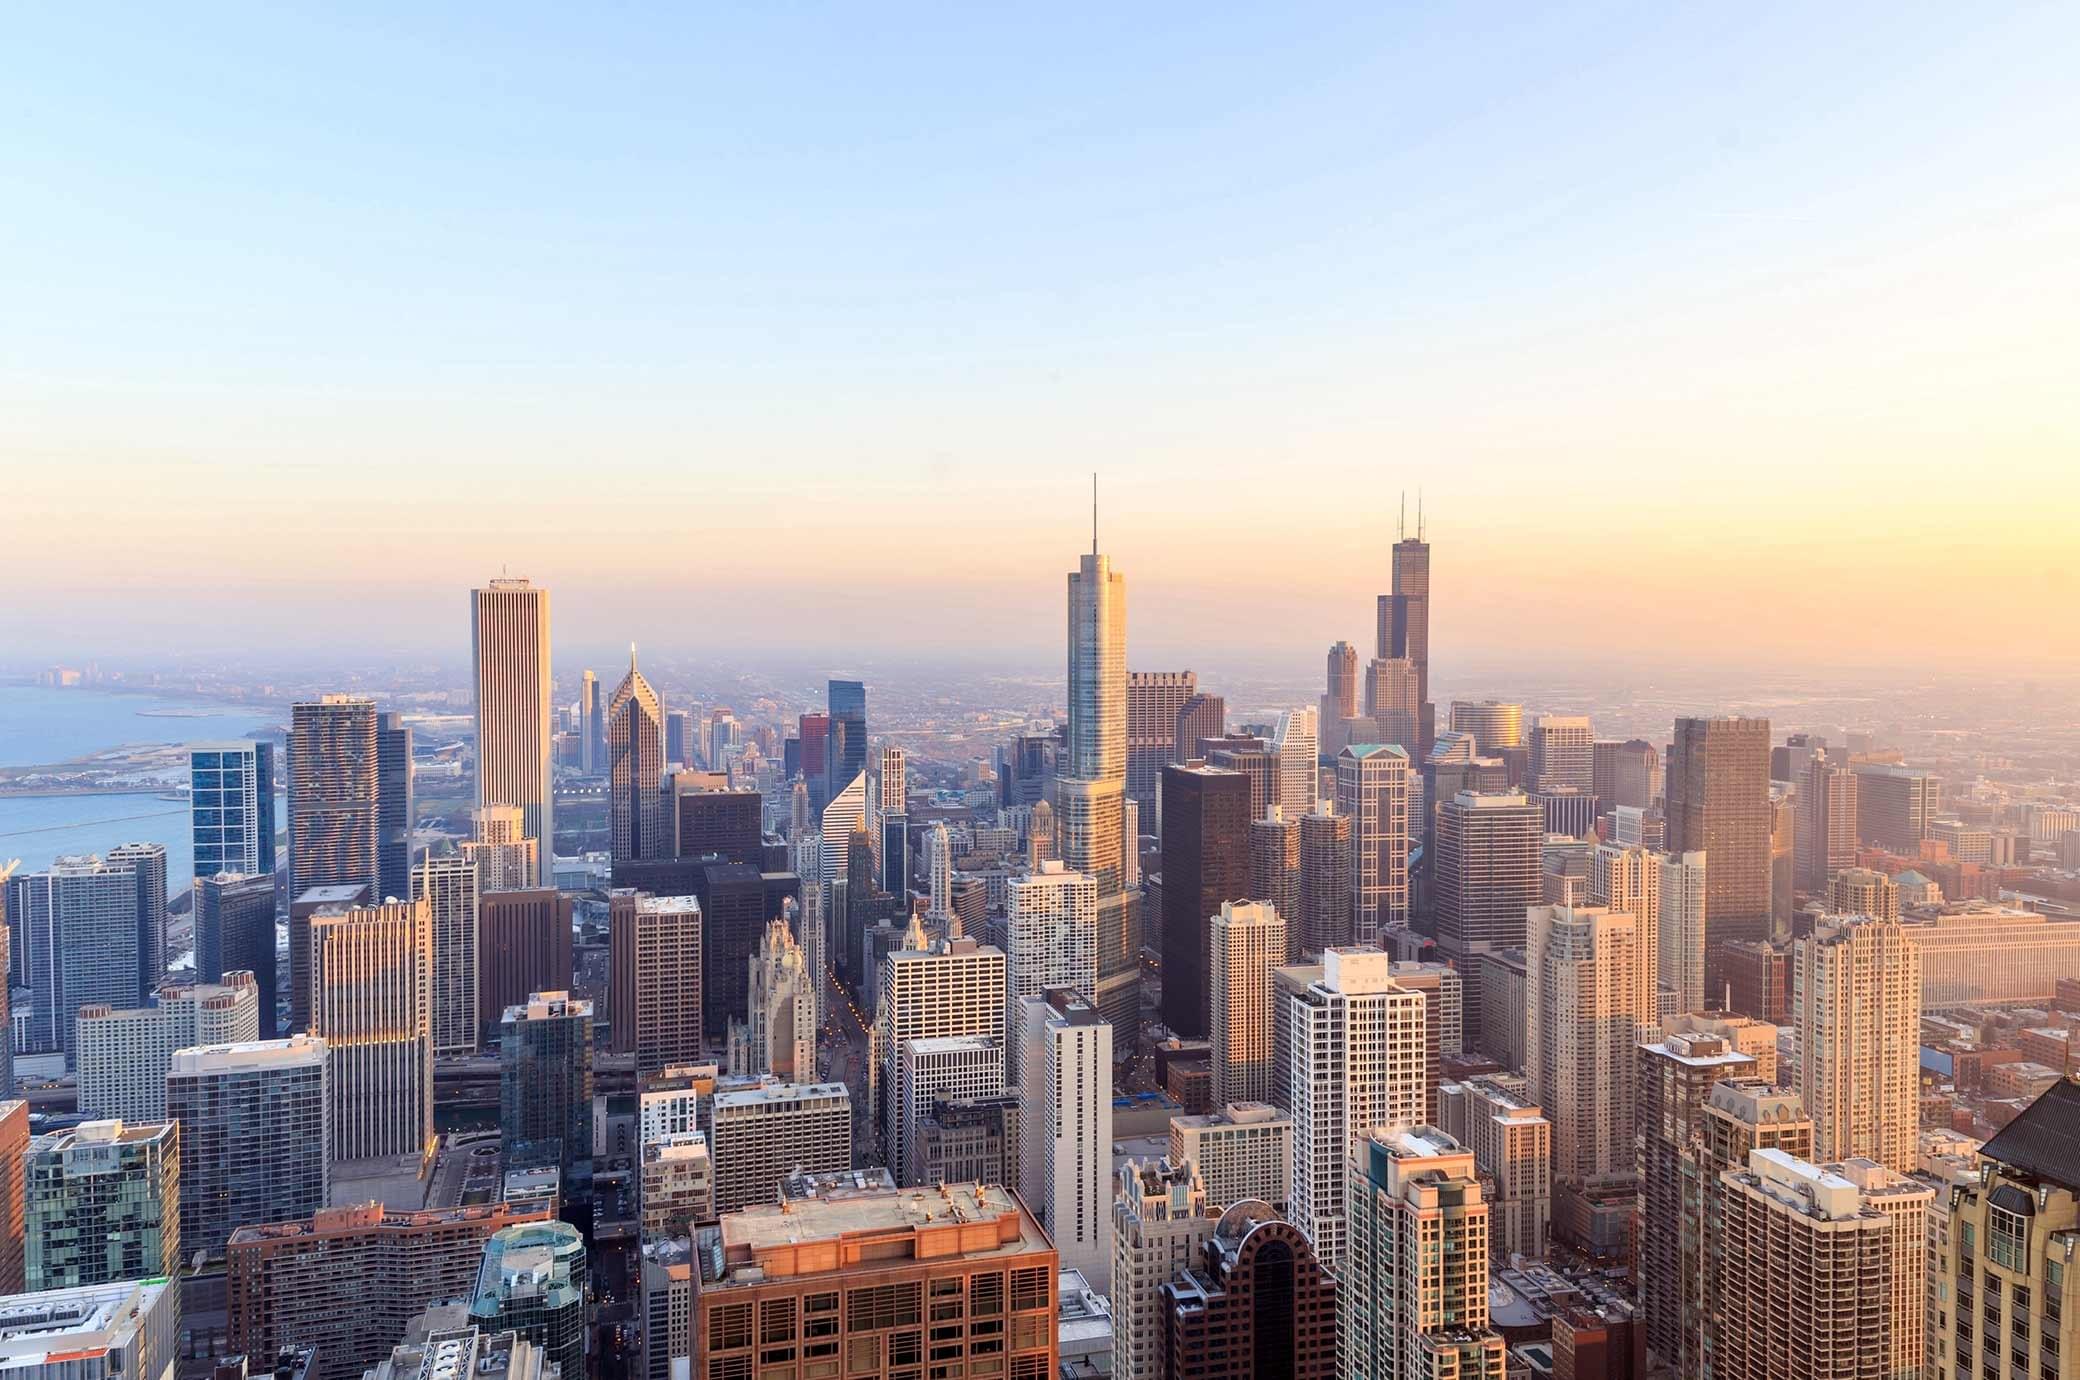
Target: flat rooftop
870, 1226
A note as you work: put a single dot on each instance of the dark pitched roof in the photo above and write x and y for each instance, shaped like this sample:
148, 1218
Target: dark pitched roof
2045, 1140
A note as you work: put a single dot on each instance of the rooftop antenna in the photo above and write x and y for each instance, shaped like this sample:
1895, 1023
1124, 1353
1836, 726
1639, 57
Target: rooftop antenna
631, 656
1401, 527
1419, 514
1094, 512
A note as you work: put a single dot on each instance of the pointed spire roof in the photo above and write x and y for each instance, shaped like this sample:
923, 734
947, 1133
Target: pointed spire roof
914, 940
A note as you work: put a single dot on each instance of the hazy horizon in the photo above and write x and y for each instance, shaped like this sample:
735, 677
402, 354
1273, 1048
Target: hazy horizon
1710, 337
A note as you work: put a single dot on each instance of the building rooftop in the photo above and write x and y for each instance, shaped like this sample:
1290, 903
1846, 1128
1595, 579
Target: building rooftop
2044, 1142
1700, 1051
774, 1093
1234, 1114
667, 905
72, 1325
866, 1225
306, 1050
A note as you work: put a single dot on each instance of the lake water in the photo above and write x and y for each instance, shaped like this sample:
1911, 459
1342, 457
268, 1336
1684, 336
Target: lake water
39, 726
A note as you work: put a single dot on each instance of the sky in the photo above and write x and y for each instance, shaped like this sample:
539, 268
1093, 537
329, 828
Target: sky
1708, 334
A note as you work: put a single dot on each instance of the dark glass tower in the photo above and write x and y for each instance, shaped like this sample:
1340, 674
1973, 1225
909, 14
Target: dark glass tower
393, 807
848, 745
1205, 862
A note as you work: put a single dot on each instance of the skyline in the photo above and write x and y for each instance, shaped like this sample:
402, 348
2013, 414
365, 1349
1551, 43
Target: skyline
719, 349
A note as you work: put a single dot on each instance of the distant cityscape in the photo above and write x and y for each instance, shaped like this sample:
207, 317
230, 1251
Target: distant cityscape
595, 1020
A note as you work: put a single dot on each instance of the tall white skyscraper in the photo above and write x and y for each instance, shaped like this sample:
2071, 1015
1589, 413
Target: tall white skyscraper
1050, 938
1299, 762
938, 862
1065, 1129
1563, 753
1681, 959
1247, 941
846, 812
1090, 796
1629, 880
509, 658
124, 1054
506, 859
955, 987
892, 782
1372, 791
1856, 1004
448, 886
1351, 1054
1582, 1024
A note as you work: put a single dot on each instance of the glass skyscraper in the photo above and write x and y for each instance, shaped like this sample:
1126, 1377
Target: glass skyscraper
231, 804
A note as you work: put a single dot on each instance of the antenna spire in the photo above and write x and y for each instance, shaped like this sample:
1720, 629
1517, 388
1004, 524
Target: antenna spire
1419, 514
631, 657
1401, 527
1094, 512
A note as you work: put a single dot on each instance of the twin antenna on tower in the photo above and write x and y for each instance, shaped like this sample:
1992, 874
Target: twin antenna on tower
1401, 533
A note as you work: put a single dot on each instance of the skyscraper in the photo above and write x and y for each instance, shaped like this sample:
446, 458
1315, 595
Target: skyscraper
533, 1283
1350, 1054
509, 660
1153, 701
1494, 724
523, 946
635, 770
234, 932
1856, 1001
1247, 941
1205, 862
506, 859
761, 1135
255, 1123
1895, 804
1629, 880
955, 987
933, 1072
102, 1203
1822, 1270
545, 1083
1159, 1224
1090, 797
1563, 754
1274, 869
77, 924
1050, 939
1340, 697
371, 1001
448, 886
1200, 717
1404, 625
1372, 791
1325, 879
1627, 774
1485, 875
14, 1153
1581, 1025
664, 994
1065, 1128
1718, 804
333, 805
1826, 838
780, 1034
394, 807
147, 864
592, 726
1298, 744
848, 746
1413, 1297
1680, 961
231, 804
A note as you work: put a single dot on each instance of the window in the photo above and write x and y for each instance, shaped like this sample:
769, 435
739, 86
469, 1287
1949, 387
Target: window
2007, 1238
730, 1327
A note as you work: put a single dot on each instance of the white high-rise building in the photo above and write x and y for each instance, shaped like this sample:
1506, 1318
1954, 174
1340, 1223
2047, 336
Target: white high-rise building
1681, 958
1629, 880
448, 886
1372, 791
842, 817
1065, 1129
255, 1125
1351, 1054
1159, 1223
1413, 1298
1050, 938
509, 658
123, 1055
938, 862
1512, 1144
1582, 1024
506, 859
1856, 1006
954, 987
1246, 941
1563, 753
951, 1068
1242, 1151
371, 1001
891, 782
1299, 761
